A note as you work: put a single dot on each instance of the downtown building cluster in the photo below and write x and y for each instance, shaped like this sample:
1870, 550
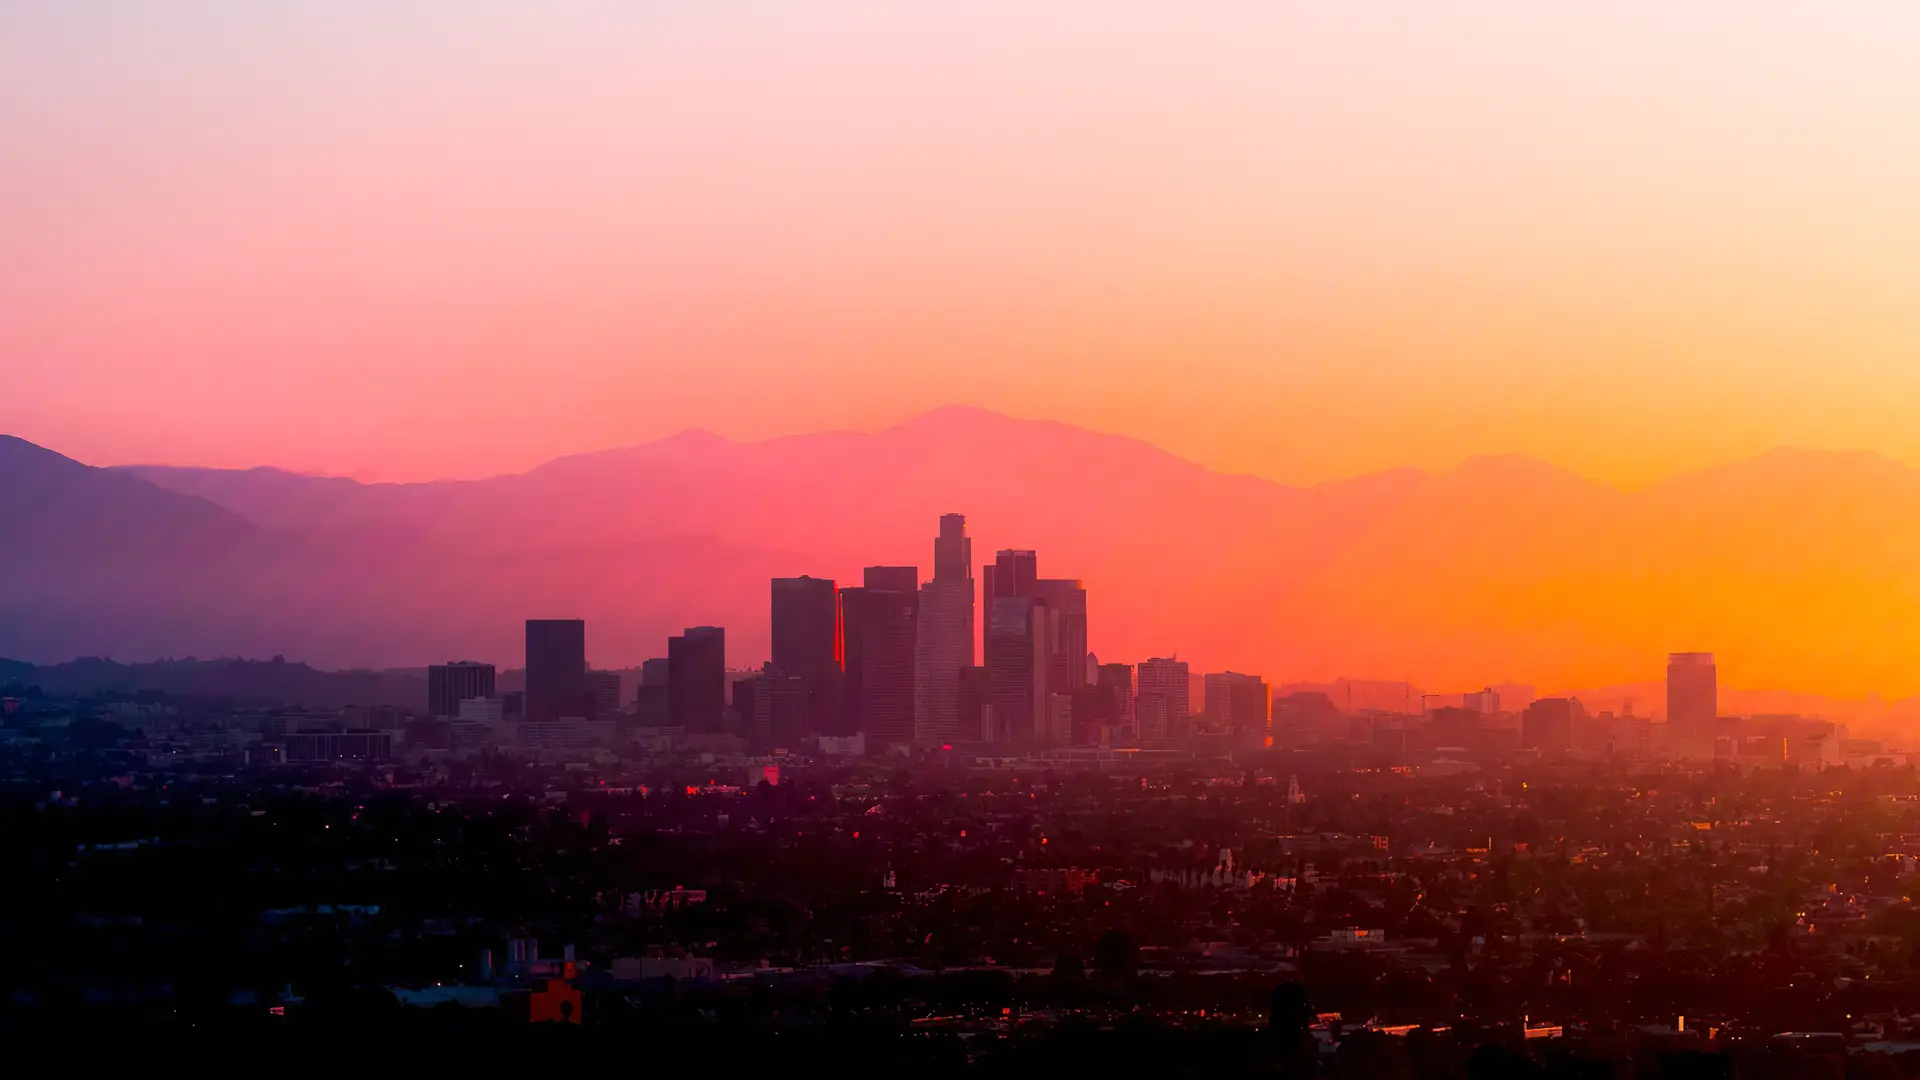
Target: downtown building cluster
997, 657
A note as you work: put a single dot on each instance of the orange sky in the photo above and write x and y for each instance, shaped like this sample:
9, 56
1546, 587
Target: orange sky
1297, 240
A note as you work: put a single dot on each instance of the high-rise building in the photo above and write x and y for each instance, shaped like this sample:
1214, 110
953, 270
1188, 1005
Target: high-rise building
975, 707
556, 669
1547, 724
1237, 704
1068, 599
1016, 662
1486, 701
1693, 696
650, 700
943, 638
1115, 684
900, 579
451, 683
953, 550
653, 672
697, 679
1160, 707
603, 689
809, 642
880, 641
775, 708
1012, 572
1035, 647
481, 719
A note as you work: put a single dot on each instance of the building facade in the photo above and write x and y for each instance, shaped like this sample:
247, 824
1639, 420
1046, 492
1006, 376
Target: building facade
697, 680
1693, 696
809, 642
451, 683
556, 669
943, 639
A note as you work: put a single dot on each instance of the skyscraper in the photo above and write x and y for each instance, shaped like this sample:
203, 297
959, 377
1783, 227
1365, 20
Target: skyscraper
974, 710
1693, 696
943, 638
953, 550
1013, 572
650, 701
879, 620
1035, 647
1547, 724
1160, 710
556, 669
451, 683
697, 679
774, 708
1016, 661
1116, 685
603, 692
900, 579
809, 642
1237, 704
1068, 599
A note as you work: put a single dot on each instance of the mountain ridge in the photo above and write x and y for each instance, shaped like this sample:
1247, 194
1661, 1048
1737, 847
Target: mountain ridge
1502, 564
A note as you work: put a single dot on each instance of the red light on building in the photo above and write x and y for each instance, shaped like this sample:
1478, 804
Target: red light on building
556, 1002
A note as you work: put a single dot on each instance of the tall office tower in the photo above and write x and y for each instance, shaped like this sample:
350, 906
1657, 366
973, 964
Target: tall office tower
1115, 684
1059, 721
451, 683
1015, 630
809, 641
1693, 696
650, 701
603, 689
900, 579
556, 669
697, 680
1013, 572
1547, 724
943, 638
953, 550
880, 639
1237, 703
1019, 640
1160, 709
774, 708
975, 708
1068, 599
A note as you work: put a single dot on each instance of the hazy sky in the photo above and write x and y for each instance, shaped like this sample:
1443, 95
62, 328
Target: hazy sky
1301, 240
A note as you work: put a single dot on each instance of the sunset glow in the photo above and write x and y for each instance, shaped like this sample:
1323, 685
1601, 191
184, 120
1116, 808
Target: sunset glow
1301, 242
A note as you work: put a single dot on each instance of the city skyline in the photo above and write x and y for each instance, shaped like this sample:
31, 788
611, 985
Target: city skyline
1503, 571
962, 540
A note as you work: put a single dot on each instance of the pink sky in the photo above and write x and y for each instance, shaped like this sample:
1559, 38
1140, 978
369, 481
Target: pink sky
1298, 240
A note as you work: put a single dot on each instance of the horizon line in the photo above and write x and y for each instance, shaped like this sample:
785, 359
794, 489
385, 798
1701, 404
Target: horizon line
697, 432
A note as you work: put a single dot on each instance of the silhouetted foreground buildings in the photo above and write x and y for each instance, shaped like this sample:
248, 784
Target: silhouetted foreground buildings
888, 665
875, 854
187, 871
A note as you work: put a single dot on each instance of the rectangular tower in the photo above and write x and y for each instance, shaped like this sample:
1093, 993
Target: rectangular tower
556, 669
943, 638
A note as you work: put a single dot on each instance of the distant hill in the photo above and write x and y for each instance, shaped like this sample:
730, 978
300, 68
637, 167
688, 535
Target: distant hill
1800, 569
53, 507
266, 682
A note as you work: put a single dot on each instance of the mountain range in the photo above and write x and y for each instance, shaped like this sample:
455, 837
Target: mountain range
1801, 569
